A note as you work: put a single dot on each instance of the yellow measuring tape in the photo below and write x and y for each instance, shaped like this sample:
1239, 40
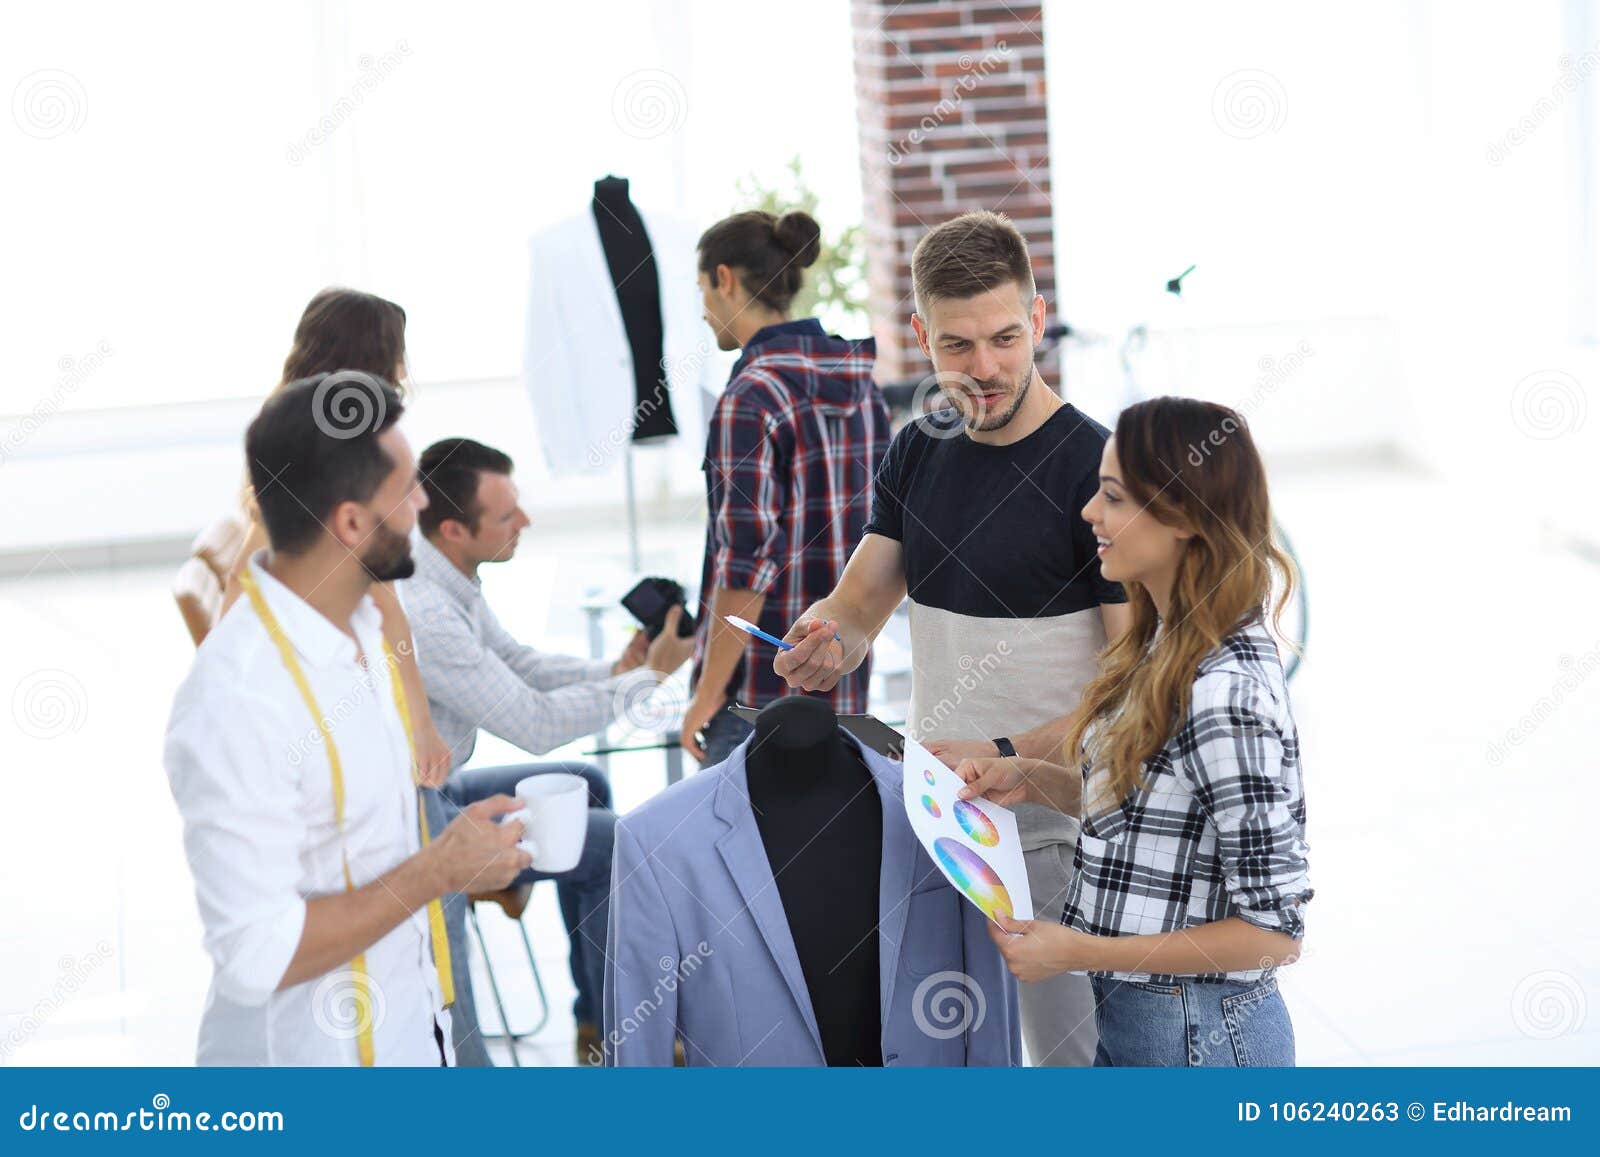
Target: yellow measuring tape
358, 966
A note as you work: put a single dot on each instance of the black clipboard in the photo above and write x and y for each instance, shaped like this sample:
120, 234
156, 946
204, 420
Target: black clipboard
873, 732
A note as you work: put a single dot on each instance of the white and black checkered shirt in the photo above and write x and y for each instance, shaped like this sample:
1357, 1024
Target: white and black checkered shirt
1217, 829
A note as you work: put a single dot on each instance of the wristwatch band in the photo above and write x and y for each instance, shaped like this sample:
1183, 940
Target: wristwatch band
1006, 747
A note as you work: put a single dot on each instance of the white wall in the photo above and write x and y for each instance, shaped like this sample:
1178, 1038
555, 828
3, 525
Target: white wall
174, 195
1340, 176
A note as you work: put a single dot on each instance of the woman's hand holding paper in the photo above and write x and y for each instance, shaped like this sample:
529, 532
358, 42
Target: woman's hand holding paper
1036, 950
1010, 780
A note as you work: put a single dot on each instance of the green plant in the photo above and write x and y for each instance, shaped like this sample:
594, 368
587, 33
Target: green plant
836, 286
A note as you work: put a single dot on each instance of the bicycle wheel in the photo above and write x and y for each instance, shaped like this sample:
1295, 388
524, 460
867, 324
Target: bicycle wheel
1292, 630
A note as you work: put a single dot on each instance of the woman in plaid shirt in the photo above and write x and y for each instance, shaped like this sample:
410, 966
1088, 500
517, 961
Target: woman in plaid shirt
1190, 875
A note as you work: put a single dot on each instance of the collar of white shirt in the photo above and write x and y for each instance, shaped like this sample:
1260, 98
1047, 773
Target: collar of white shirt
315, 638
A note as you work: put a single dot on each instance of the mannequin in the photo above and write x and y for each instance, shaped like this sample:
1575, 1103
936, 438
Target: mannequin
579, 364
632, 264
777, 909
821, 821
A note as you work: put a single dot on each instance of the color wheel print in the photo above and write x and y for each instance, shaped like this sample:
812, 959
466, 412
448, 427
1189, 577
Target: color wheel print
931, 807
974, 876
978, 826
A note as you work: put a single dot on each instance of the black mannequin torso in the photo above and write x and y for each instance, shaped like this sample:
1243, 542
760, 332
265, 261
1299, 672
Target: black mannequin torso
821, 820
632, 264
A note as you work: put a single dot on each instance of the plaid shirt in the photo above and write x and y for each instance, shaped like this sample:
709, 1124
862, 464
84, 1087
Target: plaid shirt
794, 444
1218, 830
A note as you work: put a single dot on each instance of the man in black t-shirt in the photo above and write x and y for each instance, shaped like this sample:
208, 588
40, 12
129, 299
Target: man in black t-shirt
976, 517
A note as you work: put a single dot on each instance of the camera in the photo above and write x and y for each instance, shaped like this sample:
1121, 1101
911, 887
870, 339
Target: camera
651, 599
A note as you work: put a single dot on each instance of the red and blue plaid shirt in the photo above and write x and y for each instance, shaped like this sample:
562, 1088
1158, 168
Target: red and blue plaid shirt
794, 445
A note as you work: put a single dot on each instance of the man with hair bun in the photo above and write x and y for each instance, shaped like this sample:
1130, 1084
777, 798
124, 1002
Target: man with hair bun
793, 445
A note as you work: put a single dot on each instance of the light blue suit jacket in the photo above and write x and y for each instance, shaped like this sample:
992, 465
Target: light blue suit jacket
700, 948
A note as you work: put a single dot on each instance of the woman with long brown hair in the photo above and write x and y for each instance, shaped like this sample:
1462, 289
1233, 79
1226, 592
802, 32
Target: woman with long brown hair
1190, 874
345, 329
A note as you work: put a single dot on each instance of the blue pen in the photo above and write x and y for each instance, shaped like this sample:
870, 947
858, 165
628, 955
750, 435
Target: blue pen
746, 625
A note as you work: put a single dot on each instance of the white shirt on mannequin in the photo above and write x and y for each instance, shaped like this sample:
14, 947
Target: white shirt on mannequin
577, 364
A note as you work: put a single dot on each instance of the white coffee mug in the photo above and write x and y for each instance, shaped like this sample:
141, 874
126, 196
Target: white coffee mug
555, 819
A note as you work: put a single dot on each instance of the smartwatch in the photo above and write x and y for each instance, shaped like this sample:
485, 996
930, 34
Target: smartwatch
1005, 747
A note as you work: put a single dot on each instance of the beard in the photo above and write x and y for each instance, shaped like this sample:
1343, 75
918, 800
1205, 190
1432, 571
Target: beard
996, 421
388, 556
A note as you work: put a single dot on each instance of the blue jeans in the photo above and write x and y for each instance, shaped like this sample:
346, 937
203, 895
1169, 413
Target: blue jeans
725, 732
1191, 1023
583, 894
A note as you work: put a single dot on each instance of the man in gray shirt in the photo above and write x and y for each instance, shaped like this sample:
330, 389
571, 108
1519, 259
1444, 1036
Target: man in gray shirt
478, 676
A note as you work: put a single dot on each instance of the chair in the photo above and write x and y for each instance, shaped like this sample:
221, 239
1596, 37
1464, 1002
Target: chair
513, 902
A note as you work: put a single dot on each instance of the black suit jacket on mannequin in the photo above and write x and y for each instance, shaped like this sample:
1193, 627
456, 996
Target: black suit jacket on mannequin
632, 264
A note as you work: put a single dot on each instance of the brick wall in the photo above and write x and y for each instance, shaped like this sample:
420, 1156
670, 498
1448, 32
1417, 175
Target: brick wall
950, 101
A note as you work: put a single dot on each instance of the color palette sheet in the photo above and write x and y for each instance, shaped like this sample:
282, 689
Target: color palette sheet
974, 842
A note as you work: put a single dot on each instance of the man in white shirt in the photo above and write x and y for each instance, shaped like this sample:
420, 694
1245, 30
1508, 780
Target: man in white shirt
301, 826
